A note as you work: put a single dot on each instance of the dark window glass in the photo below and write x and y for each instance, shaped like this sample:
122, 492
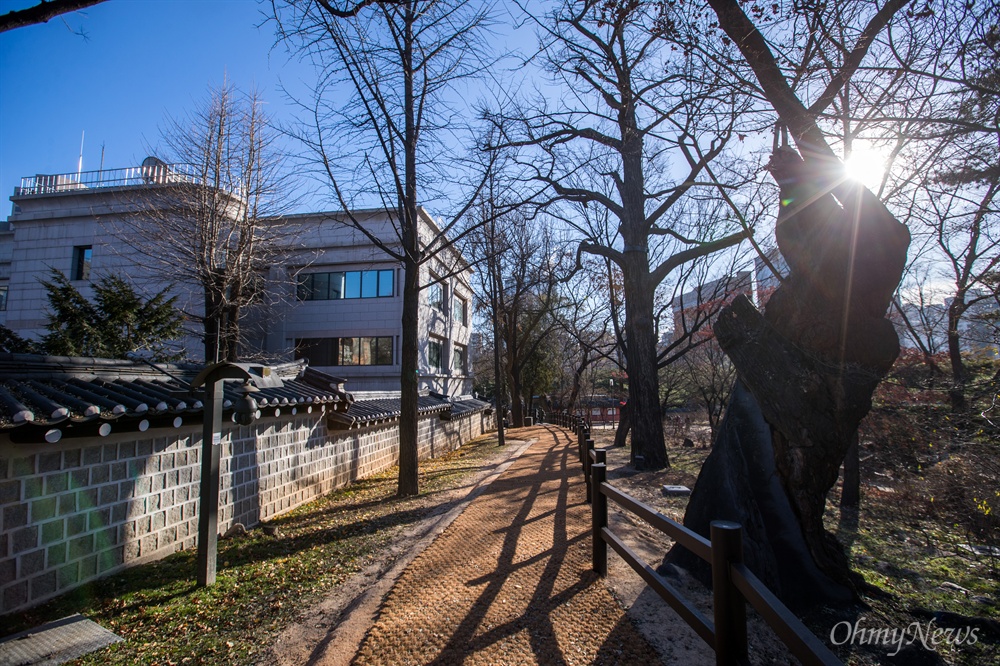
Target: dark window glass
385, 279
304, 291
321, 286
384, 354
82, 256
434, 355
3, 298
349, 351
352, 284
435, 296
458, 359
336, 285
319, 351
369, 284
458, 310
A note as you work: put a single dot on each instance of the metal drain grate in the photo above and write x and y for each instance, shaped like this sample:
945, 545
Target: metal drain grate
55, 643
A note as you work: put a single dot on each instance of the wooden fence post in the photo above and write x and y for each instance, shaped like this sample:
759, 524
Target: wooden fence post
728, 604
588, 446
599, 514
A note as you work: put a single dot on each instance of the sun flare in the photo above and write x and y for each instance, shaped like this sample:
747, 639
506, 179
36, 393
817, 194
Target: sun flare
865, 165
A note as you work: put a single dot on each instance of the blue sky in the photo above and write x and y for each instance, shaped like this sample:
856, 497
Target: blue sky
141, 60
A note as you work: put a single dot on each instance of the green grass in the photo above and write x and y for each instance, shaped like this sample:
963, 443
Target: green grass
263, 581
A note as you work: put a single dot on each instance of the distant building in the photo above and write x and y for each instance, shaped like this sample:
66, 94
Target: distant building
695, 310
342, 302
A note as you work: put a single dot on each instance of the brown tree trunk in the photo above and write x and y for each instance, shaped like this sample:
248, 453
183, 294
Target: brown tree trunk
624, 426
409, 480
850, 493
649, 449
956, 393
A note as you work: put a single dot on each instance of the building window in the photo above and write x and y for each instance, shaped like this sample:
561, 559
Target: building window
458, 359
435, 355
345, 351
346, 284
3, 298
458, 311
435, 296
82, 255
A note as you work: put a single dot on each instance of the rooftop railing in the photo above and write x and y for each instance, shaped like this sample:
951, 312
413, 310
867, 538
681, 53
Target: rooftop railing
152, 174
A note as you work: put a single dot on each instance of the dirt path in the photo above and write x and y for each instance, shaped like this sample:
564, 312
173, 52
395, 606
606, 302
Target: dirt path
509, 582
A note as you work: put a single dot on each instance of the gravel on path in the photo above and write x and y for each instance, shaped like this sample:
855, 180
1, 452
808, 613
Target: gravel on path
510, 580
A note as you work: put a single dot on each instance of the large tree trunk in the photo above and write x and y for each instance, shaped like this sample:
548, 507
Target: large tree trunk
624, 425
408, 482
956, 393
649, 450
807, 371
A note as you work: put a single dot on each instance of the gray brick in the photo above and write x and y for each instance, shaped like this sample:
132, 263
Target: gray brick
49, 462
10, 491
153, 503
109, 494
8, 571
32, 488
98, 518
30, 563
87, 498
56, 555
24, 466
15, 595
119, 471
131, 551
67, 504
144, 448
142, 486
53, 531
143, 524
15, 515
56, 483
43, 585
126, 450
92, 455
88, 568
147, 544
69, 575
110, 453
24, 539
43, 509
81, 546
71, 458
79, 478
110, 559
4, 467
119, 512
159, 520
100, 474
75, 524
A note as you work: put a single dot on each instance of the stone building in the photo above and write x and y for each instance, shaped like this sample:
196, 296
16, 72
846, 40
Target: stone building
336, 297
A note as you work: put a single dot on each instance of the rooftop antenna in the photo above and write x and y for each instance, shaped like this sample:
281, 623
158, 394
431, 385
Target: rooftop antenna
79, 165
101, 169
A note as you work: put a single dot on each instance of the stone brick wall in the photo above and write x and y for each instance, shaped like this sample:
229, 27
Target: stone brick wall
83, 508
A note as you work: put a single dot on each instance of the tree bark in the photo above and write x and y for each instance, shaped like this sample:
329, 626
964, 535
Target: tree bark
956, 393
850, 493
409, 479
807, 369
624, 425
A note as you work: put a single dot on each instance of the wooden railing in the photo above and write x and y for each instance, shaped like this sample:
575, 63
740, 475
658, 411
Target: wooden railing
733, 585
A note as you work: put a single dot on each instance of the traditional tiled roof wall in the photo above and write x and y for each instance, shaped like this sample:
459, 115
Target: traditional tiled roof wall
92, 503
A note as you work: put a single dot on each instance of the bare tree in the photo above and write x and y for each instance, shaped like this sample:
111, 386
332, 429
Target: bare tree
630, 105
519, 272
212, 222
387, 138
42, 12
809, 365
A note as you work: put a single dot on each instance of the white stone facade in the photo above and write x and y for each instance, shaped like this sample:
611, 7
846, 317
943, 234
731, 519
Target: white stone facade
51, 225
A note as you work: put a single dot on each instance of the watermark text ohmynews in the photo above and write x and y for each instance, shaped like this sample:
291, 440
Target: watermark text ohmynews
928, 635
